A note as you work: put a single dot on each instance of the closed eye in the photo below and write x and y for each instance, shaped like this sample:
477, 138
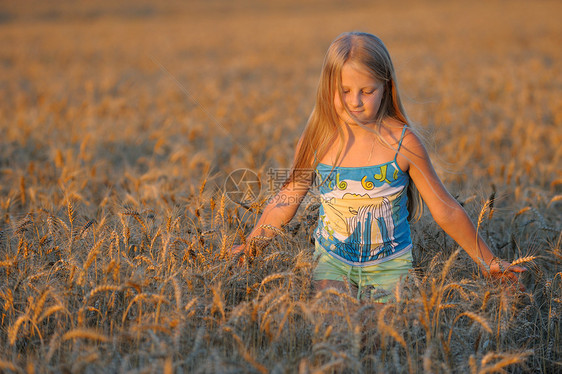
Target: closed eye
364, 92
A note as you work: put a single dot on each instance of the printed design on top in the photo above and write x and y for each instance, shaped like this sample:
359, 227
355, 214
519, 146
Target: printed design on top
360, 210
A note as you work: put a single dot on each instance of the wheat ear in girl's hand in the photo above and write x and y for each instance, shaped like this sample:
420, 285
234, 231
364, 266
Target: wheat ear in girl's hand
508, 272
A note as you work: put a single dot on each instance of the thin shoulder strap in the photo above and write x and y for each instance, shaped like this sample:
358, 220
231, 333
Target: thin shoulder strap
400, 142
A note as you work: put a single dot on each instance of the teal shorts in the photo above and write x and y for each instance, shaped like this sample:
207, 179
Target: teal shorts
382, 277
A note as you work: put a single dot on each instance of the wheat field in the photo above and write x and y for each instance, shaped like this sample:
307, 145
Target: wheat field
120, 122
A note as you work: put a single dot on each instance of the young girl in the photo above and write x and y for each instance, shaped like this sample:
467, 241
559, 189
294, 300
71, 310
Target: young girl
372, 169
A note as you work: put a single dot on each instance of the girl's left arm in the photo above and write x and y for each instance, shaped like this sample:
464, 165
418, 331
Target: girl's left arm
448, 213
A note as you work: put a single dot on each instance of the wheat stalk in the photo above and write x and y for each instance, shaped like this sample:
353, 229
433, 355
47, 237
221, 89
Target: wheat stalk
271, 278
554, 200
154, 327
92, 254
71, 213
85, 228
426, 359
457, 287
38, 306
244, 352
13, 330
506, 360
102, 288
7, 365
84, 333
475, 317
218, 304
521, 260
177, 293
331, 291
331, 366
51, 310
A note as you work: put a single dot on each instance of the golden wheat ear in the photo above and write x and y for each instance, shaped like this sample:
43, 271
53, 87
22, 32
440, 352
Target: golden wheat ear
522, 260
276, 230
85, 333
256, 246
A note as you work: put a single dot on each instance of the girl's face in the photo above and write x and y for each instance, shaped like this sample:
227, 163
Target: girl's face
362, 95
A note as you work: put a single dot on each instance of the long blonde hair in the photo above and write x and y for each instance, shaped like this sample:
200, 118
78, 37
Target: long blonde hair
323, 127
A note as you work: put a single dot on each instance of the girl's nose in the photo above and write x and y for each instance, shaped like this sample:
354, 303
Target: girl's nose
354, 100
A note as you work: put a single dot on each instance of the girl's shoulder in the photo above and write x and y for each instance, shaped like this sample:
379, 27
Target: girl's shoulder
396, 132
393, 131
405, 140
412, 141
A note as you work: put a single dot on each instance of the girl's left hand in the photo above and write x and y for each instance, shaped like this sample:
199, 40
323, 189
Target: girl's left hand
237, 249
507, 273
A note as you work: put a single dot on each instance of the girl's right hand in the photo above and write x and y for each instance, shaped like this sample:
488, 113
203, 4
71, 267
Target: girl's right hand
237, 249
238, 253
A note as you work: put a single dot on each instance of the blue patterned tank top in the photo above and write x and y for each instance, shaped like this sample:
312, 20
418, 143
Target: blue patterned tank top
363, 217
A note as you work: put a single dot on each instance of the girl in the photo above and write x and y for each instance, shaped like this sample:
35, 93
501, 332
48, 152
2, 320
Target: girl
372, 169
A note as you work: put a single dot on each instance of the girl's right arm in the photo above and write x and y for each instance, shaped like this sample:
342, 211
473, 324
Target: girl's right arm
281, 208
